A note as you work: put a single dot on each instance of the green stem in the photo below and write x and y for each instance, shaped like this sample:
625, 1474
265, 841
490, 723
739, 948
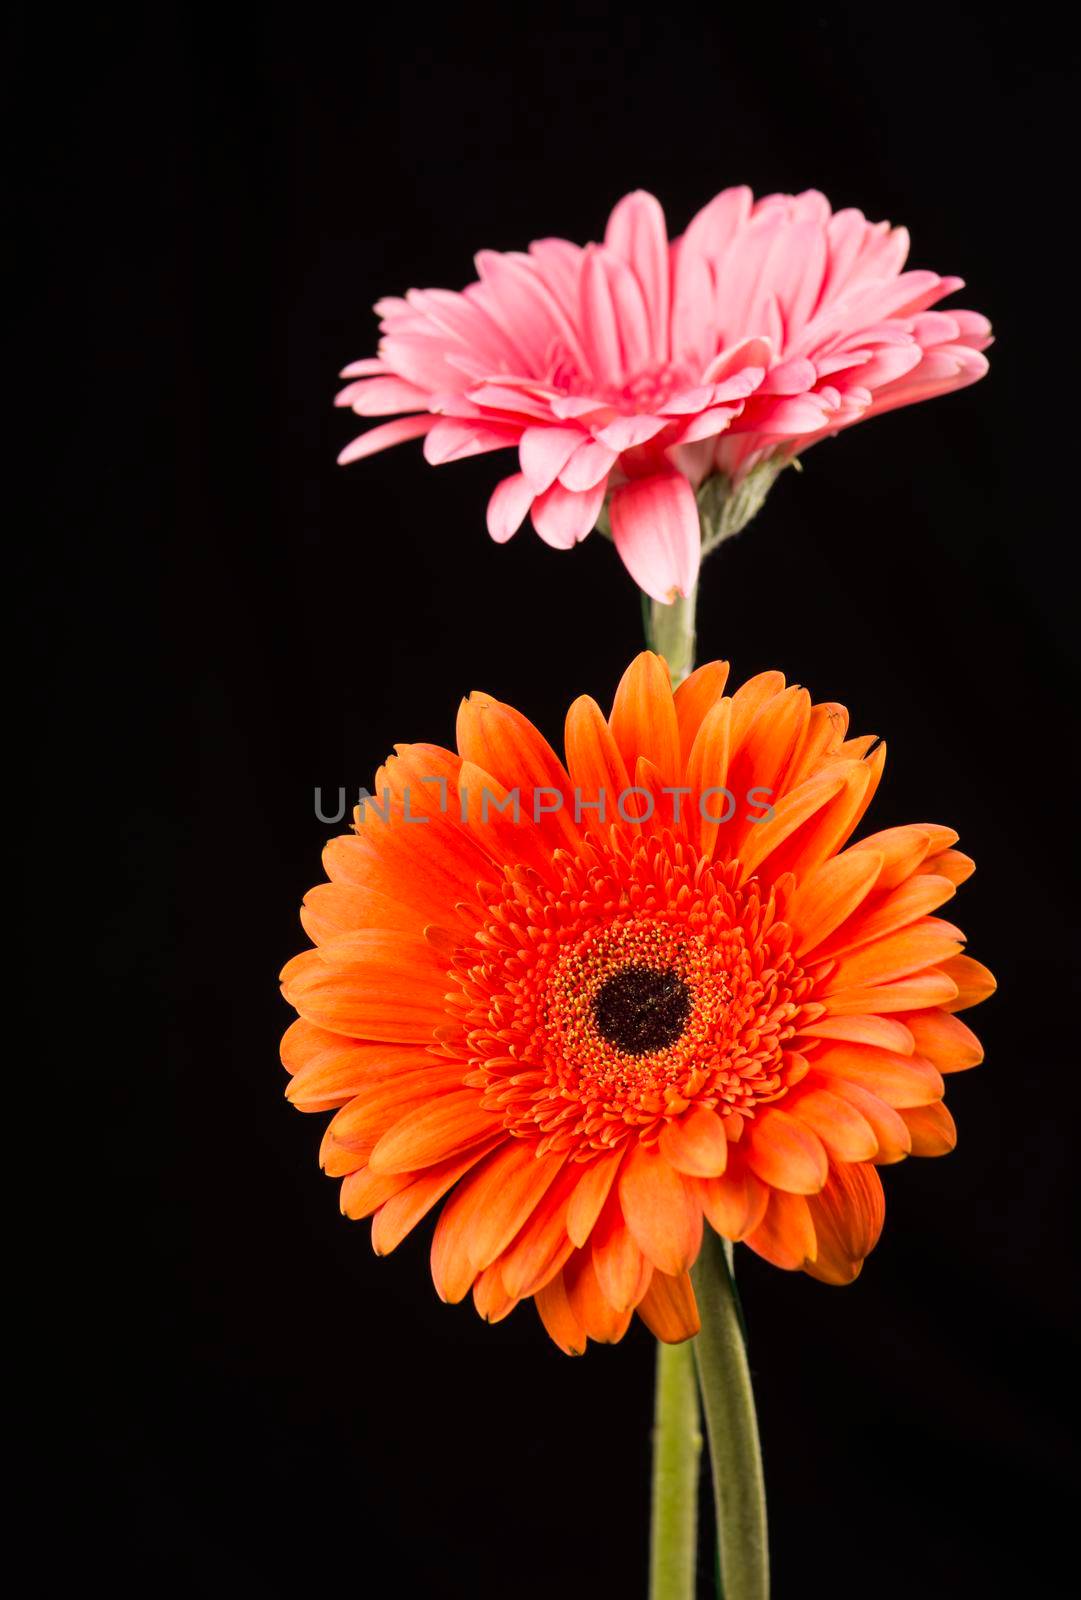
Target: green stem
677, 1420
677, 1446
724, 1377
670, 632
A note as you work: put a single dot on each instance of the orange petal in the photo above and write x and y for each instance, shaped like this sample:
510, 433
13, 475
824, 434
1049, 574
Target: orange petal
505, 1196
417, 776
886, 1032
436, 1132
875, 764
599, 1319
303, 1041
490, 1297
453, 1270
845, 1132
902, 1081
827, 828
501, 820
656, 809
590, 1194
597, 770
785, 1153
669, 1309
332, 909
661, 1210
542, 1245
364, 1003
762, 760
735, 1204
847, 1217
796, 815
786, 1234
944, 1040
927, 943
952, 864
885, 913
749, 699
400, 1214
623, 1272
829, 894
932, 988
643, 720
707, 775
425, 866
334, 1076
560, 1322
695, 698
365, 1191
974, 982
890, 1128
379, 1105
933, 1130
499, 739
695, 1144
825, 730
338, 1162
902, 850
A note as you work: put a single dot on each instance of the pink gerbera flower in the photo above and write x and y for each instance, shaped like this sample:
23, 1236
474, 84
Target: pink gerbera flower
672, 380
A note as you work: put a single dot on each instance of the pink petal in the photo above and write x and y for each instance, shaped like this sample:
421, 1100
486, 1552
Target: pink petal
461, 322
587, 466
708, 423
379, 397
890, 363
656, 531
627, 432
795, 414
975, 329
600, 329
795, 271
517, 401
507, 507
637, 233
753, 352
368, 368
577, 405
563, 518
739, 385
544, 452
716, 225
688, 401
528, 305
455, 440
383, 437
559, 263
790, 377
632, 318
693, 334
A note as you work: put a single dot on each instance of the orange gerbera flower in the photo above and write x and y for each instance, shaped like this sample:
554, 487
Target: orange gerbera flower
595, 1003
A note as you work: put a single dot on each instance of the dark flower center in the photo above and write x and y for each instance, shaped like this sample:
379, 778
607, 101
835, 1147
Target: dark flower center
641, 1009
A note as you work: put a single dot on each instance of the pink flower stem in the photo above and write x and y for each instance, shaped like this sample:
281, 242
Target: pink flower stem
670, 632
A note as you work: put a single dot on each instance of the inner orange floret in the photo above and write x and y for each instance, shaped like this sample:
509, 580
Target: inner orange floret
637, 983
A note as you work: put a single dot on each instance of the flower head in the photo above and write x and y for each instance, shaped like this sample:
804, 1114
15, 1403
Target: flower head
589, 1005
639, 368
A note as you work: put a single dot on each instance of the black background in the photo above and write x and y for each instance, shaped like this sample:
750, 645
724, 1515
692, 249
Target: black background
229, 620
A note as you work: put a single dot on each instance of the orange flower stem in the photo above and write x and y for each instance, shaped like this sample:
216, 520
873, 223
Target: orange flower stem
677, 1447
724, 1377
670, 632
